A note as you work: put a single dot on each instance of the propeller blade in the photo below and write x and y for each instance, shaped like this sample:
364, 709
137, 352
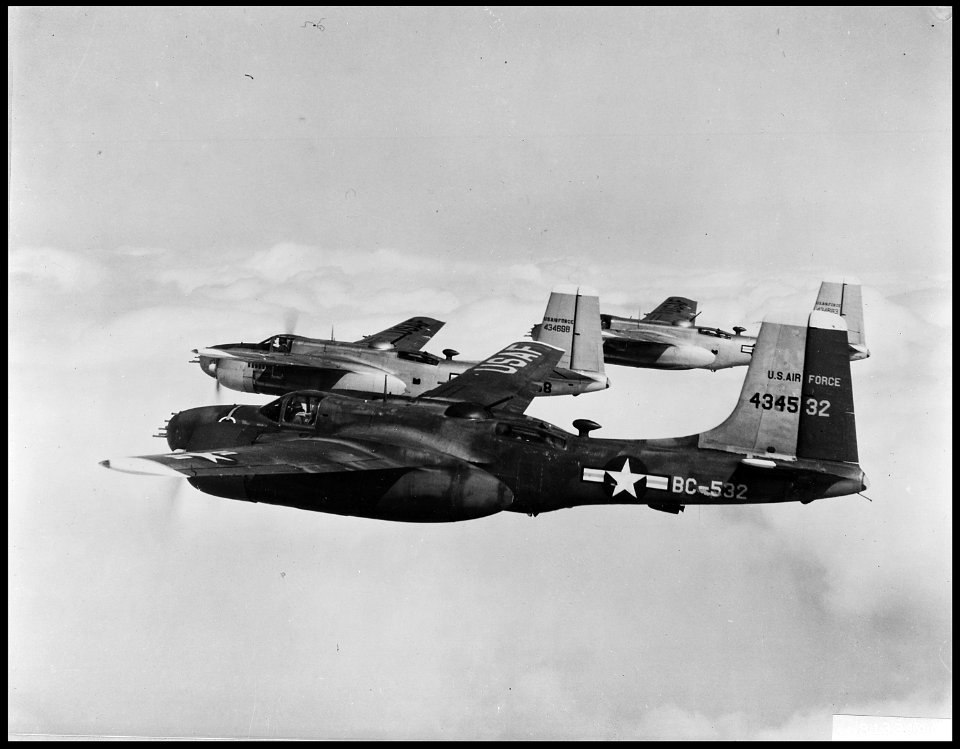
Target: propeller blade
290, 318
169, 498
217, 393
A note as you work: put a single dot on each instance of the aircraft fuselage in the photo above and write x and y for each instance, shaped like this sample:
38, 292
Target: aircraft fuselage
690, 347
478, 463
357, 368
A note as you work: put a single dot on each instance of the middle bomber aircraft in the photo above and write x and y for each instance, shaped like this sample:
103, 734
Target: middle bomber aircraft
392, 361
465, 449
668, 337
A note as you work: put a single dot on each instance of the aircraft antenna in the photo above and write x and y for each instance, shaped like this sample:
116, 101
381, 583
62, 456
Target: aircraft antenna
384, 388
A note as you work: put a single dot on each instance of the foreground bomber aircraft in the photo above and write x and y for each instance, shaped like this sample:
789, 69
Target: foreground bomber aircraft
667, 338
392, 361
465, 450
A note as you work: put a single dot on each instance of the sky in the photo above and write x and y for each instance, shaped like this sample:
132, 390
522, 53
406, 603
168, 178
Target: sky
182, 177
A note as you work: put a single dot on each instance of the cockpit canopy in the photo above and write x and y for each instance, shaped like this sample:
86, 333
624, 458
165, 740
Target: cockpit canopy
278, 344
297, 409
419, 356
715, 332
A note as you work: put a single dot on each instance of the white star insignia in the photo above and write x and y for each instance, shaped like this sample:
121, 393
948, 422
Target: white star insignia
626, 479
212, 457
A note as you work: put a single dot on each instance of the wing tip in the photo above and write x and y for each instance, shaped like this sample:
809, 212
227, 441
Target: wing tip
142, 466
214, 353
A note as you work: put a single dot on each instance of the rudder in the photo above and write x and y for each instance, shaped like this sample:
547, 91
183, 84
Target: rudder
827, 428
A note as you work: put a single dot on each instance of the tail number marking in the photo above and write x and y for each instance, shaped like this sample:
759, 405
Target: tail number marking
716, 488
767, 402
815, 408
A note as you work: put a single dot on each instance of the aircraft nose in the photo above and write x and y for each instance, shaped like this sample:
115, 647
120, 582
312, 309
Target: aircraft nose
209, 365
176, 436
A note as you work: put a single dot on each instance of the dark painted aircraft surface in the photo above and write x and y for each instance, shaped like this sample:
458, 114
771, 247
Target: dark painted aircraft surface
392, 361
466, 450
668, 337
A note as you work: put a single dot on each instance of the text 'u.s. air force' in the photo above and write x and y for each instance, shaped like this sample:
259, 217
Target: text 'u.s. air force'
509, 360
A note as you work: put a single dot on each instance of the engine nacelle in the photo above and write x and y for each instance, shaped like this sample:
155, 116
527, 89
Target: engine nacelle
420, 495
681, 357
235, 374
241, 376
371, 383
440, 495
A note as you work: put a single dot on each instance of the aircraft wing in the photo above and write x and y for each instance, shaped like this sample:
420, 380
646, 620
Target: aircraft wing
663, 337
307, 455
508, 380
327, 360
409, 335
673, 310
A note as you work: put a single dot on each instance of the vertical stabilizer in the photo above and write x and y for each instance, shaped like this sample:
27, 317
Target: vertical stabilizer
797, 398
845, 299
766, 418
572, 322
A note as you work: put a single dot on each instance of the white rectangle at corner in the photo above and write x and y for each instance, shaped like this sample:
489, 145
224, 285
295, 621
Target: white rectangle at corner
890, 728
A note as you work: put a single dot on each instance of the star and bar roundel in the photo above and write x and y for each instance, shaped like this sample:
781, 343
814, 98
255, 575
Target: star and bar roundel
625, 475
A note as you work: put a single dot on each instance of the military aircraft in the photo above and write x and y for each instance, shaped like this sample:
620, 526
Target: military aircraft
392, 361
667, 338
465, 449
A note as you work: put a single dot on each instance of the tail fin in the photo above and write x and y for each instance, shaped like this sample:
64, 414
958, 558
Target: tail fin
572, 322
797, 398
844, 299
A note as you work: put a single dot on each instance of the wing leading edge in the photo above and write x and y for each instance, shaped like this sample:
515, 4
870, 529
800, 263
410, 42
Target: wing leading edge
673, 310
312, 455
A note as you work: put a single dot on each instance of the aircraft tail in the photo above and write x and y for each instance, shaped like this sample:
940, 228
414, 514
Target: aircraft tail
844, 299
572, 322
797, 398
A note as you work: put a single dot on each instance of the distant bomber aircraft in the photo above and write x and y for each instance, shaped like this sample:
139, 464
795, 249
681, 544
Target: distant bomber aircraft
392, 361
668, 339
464, 449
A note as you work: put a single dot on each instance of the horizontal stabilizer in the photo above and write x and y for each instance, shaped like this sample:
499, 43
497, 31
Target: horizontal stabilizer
508, 380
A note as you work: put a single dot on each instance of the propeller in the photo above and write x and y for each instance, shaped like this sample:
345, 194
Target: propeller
290, 318
173, 491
